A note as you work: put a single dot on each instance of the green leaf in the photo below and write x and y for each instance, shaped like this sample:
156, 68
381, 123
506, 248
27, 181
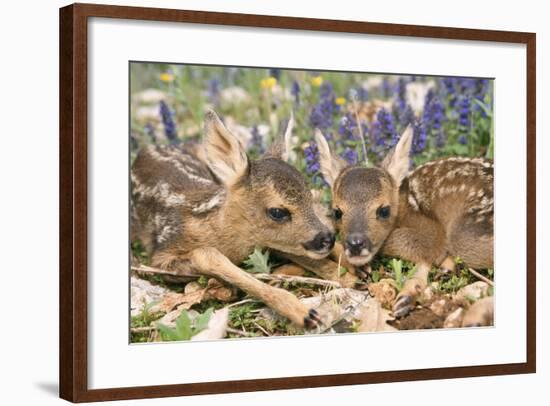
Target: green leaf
183, 326
258, 262
167, 333
397, 267
411, 272
485, 108
201, 322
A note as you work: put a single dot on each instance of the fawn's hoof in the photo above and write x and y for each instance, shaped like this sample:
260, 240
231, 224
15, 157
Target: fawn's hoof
403, 305
312, 320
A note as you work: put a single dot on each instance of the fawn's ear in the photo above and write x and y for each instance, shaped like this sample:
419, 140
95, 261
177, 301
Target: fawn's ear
331, 165
225, 155
396, 163
281, 148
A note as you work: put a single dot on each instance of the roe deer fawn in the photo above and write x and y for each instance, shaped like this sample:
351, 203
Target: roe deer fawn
202, 209
440, 210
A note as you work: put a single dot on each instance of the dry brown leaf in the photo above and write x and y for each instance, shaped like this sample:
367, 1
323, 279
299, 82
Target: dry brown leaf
179, 300
384, 291
374, 317
289, 269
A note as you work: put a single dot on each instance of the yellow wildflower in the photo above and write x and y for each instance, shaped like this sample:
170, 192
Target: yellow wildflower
340, 101
268, 83
317, 81
166, 77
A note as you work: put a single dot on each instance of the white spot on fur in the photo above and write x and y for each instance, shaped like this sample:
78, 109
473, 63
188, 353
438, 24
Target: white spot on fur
214, 201
161, 192
413, 202
178, 165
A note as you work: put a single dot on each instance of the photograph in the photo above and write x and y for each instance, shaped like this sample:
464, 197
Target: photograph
269, 202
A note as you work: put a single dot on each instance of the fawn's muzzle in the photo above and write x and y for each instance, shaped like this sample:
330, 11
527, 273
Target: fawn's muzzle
358, 244
323, 242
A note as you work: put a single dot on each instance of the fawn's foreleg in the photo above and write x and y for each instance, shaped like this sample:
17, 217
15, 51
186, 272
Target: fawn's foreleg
211, 262
423, 248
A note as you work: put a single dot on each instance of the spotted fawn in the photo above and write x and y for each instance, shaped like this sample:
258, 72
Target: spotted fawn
441, 210
203, 209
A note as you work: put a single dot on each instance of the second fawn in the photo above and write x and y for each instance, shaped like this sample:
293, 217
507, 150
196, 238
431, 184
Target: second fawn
440, 210
202, 209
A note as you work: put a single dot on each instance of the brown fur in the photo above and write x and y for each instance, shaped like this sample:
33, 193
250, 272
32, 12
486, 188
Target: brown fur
203, 209
442, 209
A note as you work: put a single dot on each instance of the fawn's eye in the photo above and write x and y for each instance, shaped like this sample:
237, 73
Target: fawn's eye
278, 214
337, 213
383, 212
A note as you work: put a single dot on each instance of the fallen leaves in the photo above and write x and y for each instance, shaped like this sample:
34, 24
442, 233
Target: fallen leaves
374, 317
385, 291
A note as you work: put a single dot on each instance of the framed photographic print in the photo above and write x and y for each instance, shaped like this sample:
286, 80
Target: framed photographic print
255, 202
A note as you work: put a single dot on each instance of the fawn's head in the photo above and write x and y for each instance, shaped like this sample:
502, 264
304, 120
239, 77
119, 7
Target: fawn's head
267, 199
365, 200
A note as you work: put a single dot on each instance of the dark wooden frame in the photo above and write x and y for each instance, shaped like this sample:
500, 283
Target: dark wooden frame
73, 201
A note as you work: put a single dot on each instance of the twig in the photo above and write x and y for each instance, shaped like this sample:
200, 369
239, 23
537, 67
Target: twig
238, 332
261, 276
262, 329
156, 271
481, 277
143, 329
243, 302
296, 279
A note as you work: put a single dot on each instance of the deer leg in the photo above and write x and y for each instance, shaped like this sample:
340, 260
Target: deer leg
480, 313
423, 245
211, 262
412, 288
448, 265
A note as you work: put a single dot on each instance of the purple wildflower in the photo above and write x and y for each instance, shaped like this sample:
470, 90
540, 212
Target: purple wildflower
419, 137
321, 115
362, 93
275, 72
295, 91
480, 91
350, 156
134, 144
440, 139
386, 88
384, 132
450, 90
401, 99
406, 117
257, 141
168, 122
349, 132
434, 112
464, 113
213, 90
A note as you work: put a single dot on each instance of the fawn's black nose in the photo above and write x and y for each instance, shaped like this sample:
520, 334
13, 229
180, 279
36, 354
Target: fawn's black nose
323, 241
356, 242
